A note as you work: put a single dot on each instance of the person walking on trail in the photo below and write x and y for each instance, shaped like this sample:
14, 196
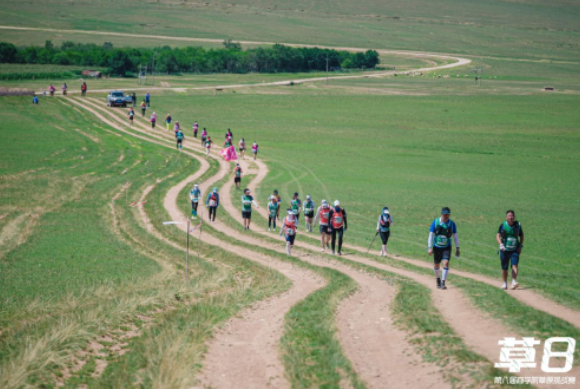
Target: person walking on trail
242, 147
308, 213
51, 90
384, 228
510, 238
279, 201
143, 108
179, 137
247, 201
439, 244
195, 129
255, 150
134, 99
84, 89
131, 116
203, 137
176, 128
168, 122
213, 202
229, 135
227, 143
295, 206
237, 176
194, 195
153, 119
289, 227
337, 225
64, 89
208, 143
148, 99
323, 218
273, 210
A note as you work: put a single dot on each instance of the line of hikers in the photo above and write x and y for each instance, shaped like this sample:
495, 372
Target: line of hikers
333, 223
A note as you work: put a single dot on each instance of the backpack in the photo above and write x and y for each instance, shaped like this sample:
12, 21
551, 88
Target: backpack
385, 222
213, 200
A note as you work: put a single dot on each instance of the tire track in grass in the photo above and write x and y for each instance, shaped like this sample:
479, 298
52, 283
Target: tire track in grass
375, 298
254, 361
478, 330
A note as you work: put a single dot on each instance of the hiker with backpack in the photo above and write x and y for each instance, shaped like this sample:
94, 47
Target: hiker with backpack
237, 176
208, 143
131, 116
337, 225
179, 137
273, 210
143, 108
510, 238
213, 202
84, 89
255, 150
308, 213
296, 205
242, 147
439, 245
153, 119
323, 218
384, 228
168, 122
247, 201
194, 195
203, 137
195, 129
289, 227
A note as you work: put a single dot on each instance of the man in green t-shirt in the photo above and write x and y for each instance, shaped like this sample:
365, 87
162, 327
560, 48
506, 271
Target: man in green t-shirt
247, 201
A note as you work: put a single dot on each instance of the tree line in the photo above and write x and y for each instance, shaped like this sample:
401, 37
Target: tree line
229, 59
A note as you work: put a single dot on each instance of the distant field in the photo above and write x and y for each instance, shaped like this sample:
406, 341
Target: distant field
532, 29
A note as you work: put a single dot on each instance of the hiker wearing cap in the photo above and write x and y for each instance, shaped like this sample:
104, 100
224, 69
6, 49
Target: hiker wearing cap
279, 200
337, 225
510, 238
247, 202
273, 210
213, 202
289, 227
153, 119
384, 228
439, 244
168, 122
242, 148
237, 176
308, 212
194, 195
295, 206
195, 129
323, 217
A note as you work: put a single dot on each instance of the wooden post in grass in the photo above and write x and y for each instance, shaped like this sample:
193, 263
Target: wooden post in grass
187, 255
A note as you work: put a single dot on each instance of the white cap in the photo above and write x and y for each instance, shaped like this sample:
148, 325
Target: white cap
308, 197
324, 202
336, 203
196, 185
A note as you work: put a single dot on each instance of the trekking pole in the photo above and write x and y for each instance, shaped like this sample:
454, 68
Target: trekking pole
375, 237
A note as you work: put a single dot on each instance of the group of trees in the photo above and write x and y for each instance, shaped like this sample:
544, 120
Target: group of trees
229, 59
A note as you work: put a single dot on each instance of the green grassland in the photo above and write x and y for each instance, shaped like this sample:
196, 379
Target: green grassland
479, 155
532, 29
77, 265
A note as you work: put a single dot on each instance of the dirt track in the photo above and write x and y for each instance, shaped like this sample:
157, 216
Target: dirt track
373, 365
